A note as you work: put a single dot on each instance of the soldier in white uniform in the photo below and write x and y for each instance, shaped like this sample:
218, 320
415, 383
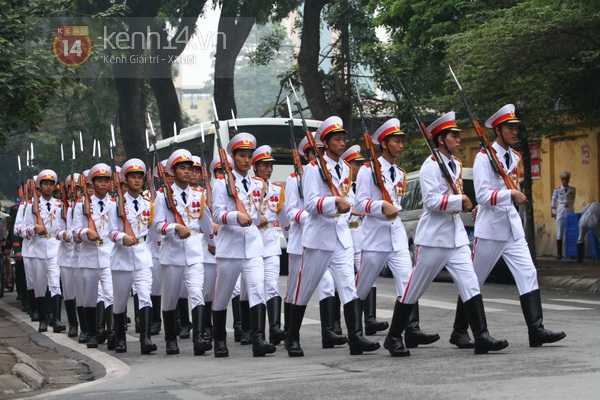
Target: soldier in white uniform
272, 209
442, 241
131, 260
328, 242
589, 221
96, 247
562, 203
383, 237
240, 247
498, 228
181, 250
43, 249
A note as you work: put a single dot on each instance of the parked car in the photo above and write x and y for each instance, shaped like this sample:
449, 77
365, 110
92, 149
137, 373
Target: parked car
412, 209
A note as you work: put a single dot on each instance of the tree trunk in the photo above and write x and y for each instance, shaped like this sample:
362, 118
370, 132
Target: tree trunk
132, 110
528, 191
166, 97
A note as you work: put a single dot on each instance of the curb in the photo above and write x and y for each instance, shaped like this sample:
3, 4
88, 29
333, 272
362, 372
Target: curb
577, 284
25, 376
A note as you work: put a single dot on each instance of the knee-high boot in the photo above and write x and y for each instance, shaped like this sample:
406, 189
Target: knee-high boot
329, 338
110, 330
146, 345
372, 326
293, 336
246, 338
559, 246
207, 334
237, 319
83, 336
476, 315
72, 318
58, 326
136, 313
92, 326
43, 316
260, 346
357, 342
101, 323
156, 315
393, 341
413, 335
120, 344
184, 318
460, 334
170, 331
580, 252
220, 333
276, 334
337, 319
33, 311
201, 345
531, 304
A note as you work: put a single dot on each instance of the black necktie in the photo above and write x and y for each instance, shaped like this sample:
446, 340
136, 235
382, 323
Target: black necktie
507, 159
452, 166
101, 203
393, 173
48, 206
183, 197
135, 205
354, 187
338, 169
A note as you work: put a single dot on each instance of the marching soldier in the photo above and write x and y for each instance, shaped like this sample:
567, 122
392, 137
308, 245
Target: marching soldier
383, 238
181, 250
498, 228
563, 200
327, 241
272, 209
240, 247
441, 242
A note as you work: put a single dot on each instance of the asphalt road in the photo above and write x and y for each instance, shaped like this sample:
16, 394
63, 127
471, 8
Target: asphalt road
568, 369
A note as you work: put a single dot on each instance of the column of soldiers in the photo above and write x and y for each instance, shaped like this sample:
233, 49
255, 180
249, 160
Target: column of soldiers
202, 247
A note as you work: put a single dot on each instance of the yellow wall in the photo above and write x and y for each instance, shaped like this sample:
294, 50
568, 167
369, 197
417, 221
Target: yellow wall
558, 155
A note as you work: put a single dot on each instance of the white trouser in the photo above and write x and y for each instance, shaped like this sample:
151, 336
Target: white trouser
122, 284
28, 272
67, 276
45, 273
271, 277
210, 277
91, 278
316, 262
228, 271
156, 277
326, 286
237, 289
429, 261
486, 254
373, 262
294, 266
78, 282
176, 276
105, 288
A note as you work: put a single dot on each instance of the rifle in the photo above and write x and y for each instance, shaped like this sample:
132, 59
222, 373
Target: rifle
169, 196
313, 143
118, 190
63, 188
429, 140
149, 174
374, 162
72, 184
229, 180
20, 185
205, 178
86, 202
35, 204
295, 154
484, 143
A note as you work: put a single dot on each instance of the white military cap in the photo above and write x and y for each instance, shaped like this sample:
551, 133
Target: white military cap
242, 140
46, 175
99, 170
178, 156
390, 127
352, 154
216, 163
330, 125
69, 179
305, 144
163, 165
262, 153
505, 114
132, 165
197, 161
446, 121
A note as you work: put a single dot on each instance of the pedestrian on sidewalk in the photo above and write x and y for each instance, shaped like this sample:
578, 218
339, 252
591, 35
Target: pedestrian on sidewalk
563, 200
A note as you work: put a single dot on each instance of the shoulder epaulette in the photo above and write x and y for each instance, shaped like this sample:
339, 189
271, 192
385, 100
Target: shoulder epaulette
401, 169
457, 159
313, 163
558, 187
367, 164
347, 163
277, 184
516, 152
161, 190
258, 178
196, 188
220, 177
293, 174
79, 201
113, 199
482, 151
433, 158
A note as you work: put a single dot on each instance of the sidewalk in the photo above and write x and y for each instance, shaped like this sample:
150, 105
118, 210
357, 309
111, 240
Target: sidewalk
31, 363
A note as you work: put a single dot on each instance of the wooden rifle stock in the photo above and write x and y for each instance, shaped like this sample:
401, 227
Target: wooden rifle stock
121, 206
169, 196
376, 168
87, 201
151, 188
65, 203
229, 181
207, 186
35, 204
321, 164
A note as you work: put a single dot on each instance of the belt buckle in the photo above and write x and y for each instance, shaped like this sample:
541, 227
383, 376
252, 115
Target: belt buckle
99, 242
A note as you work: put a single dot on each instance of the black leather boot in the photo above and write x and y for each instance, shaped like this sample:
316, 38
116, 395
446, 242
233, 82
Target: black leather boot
101, 323
49, 308
170, 331
136, 313
286, 321
260, 346
337, 319
184, 318
110, 330
207, 334
72, 318
92, 326
120, 343
43, 316
329, 338
580, 252
476, 315
146, 345
237, 319
201, 345
220, 333
33, 312
372, 326
559, 246
156, 315
293, 337
357, 342
246, 338
460, 334
58, 326
393, 341
83, 336
531, 304
276, 334
413, 335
